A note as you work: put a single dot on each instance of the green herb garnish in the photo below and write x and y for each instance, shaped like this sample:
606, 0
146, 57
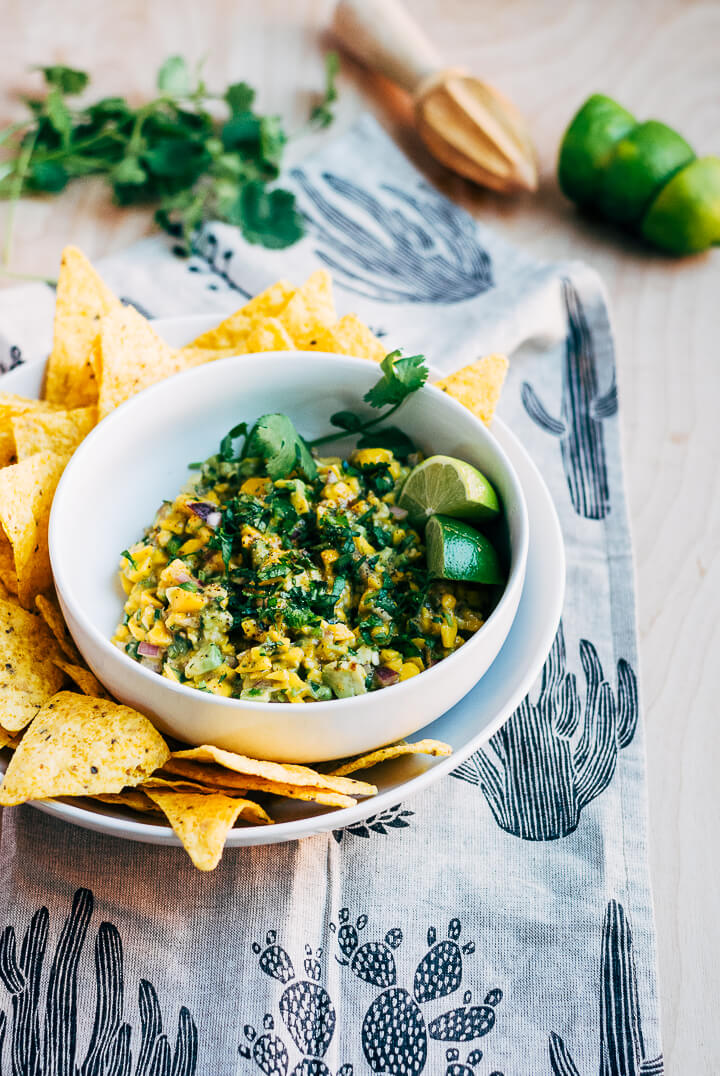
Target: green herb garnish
171, 152
129, 557
401, 377
275, 439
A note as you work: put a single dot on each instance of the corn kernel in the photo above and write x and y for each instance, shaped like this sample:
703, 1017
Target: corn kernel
448, 602
185, 601
363, 546
191, 546
255, 487
136, 630
407, 670
448, 633
159, 635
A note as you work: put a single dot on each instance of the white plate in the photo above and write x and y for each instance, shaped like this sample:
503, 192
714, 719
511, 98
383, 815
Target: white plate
467, 726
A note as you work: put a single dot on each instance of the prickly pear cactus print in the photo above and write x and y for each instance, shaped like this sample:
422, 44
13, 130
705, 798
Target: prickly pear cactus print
307, 1013
41, 1036
555, 755
398, 1031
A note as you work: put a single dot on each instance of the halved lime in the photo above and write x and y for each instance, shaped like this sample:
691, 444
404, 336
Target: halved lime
452, 487
456, 550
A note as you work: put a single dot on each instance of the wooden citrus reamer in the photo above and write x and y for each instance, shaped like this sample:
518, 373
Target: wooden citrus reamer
465, 123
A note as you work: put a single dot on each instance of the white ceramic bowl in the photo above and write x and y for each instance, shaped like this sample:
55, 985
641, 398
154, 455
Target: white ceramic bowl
139, 456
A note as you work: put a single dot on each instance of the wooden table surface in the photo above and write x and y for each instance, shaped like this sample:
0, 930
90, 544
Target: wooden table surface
659, 58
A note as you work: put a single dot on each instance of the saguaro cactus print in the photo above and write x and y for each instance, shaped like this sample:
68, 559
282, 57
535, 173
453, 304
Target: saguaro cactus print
582, 412
54, 1051
545, 765
622, 1050
393, 245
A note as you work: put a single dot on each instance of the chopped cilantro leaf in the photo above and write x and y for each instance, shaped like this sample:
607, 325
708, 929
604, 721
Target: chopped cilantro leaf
129, 557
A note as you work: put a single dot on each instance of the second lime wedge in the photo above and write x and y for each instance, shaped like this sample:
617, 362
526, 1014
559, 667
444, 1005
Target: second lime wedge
457, 551
451, 487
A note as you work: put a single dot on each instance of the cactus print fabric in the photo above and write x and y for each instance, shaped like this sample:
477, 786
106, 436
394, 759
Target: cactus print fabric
498, 924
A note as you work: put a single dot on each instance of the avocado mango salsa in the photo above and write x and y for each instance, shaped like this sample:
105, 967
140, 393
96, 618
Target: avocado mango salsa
291, 589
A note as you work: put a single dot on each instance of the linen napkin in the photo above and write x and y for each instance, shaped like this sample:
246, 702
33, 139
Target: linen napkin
498, 924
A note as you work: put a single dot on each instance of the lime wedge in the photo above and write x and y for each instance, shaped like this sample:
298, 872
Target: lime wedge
457, 551
453, 487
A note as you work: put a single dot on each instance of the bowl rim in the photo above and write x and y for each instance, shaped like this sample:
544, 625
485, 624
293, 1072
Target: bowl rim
118, 415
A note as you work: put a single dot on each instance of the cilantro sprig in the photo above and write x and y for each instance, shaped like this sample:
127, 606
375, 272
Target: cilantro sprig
171, 152
275, 440
402, 375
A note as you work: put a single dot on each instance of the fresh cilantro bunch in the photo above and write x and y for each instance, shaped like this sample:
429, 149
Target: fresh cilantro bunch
171, 152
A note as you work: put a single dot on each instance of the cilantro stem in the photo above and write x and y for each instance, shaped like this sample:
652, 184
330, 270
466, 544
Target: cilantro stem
15, 189
336, 436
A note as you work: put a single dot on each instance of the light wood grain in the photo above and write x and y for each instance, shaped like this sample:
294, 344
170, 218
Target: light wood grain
659, 58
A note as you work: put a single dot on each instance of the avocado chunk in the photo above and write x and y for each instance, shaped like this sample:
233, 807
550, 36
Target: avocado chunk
345, 682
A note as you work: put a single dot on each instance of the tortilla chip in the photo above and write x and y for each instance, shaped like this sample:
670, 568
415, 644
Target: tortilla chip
26, 493
478, 386
310, 309
8, 739
228, 334
7, 448
131, 797
51, 431
83, 678
349, 336
202, 822
231, 332
268, 334
279, 772
132, 356
187, 358
395, 750
82, 299
28, 674
197, 777
7, 565
49, 609
79, 746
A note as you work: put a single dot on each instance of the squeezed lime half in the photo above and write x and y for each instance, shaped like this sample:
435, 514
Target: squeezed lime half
442, 484
455, 550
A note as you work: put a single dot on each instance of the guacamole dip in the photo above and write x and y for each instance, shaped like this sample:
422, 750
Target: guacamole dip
290, 589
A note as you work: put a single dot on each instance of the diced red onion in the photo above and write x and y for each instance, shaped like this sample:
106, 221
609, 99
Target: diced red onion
148, 650
213, 519
204, 509
397, 512
386, 676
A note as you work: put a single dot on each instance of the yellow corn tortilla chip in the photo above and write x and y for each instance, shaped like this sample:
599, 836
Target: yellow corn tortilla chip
28, 674
478, 386
51, 431
349, 336
12, 406
26, 493
83, 678
8, 739
131, 797
224, 780
132, 356
310, 308
173, 783
49, 609
80, 746
7, 565
7, 448
231, 332
202, 821
395, 750
268, 334
281, 772
82, 300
